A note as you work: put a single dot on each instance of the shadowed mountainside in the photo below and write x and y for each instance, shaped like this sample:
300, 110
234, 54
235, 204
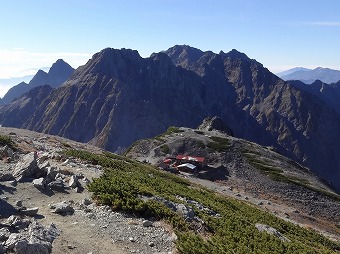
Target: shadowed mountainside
329, 93
119, 97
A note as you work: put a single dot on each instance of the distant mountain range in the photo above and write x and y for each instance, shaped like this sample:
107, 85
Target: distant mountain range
57, 74
308, 76
118, 97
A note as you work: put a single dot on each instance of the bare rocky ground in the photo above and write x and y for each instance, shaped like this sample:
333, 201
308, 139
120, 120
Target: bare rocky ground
230, 174
30, 204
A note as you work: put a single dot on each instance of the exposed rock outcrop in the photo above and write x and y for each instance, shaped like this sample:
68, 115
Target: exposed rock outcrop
271, 231
33, 238
214, 123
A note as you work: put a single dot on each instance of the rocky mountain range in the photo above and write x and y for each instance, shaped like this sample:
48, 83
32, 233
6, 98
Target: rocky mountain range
58, 74
118, 97
308, 76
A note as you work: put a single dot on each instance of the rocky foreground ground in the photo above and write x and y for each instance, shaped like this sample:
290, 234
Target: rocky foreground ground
46, 208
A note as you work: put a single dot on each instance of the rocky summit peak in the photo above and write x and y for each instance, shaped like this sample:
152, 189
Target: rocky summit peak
215, 123
182, 52
112, 52
236, 54
39, 79
111, 61
60, 66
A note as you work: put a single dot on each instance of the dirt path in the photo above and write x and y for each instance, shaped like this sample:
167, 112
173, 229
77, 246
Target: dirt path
91, 228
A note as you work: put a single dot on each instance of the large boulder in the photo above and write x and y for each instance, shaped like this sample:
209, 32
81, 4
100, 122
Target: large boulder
57, 185
39, 183
36, 240
73, 182
30, 211
62, 208
4, 234
27, 167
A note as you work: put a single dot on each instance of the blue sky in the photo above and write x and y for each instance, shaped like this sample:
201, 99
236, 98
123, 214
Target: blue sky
279, 34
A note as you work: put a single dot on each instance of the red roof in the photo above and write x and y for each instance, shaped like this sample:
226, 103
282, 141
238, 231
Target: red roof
167, 161
190, 158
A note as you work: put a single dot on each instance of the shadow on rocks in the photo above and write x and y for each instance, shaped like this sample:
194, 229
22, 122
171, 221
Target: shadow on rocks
6, 209
4, 188
214, 174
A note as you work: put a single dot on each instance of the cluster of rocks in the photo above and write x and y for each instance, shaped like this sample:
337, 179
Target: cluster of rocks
59, 179
26, 236
186, 210
35, 167
6, 153
199, 206
272, 231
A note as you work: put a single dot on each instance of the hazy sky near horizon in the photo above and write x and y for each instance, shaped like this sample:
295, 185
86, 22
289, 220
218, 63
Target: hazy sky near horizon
279, 34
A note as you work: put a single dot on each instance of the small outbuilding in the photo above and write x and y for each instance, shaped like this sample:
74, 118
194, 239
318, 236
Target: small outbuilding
187, 167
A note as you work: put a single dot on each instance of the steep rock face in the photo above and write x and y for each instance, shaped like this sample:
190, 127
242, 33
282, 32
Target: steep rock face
58, 74
329, 93
119, 97
264, 109
15, 92
23, 108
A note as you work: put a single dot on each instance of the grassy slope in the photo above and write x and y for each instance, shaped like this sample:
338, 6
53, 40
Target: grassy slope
234, 232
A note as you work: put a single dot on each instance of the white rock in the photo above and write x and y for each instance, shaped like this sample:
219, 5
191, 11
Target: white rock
73, 182
272, 231
30, 211
4, 234
12, 240
39, 183
62, 208
27, 167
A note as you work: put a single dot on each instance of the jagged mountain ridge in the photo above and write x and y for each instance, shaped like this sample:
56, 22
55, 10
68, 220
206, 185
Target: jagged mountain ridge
58, 74
119, 97
266, 110
329, 93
